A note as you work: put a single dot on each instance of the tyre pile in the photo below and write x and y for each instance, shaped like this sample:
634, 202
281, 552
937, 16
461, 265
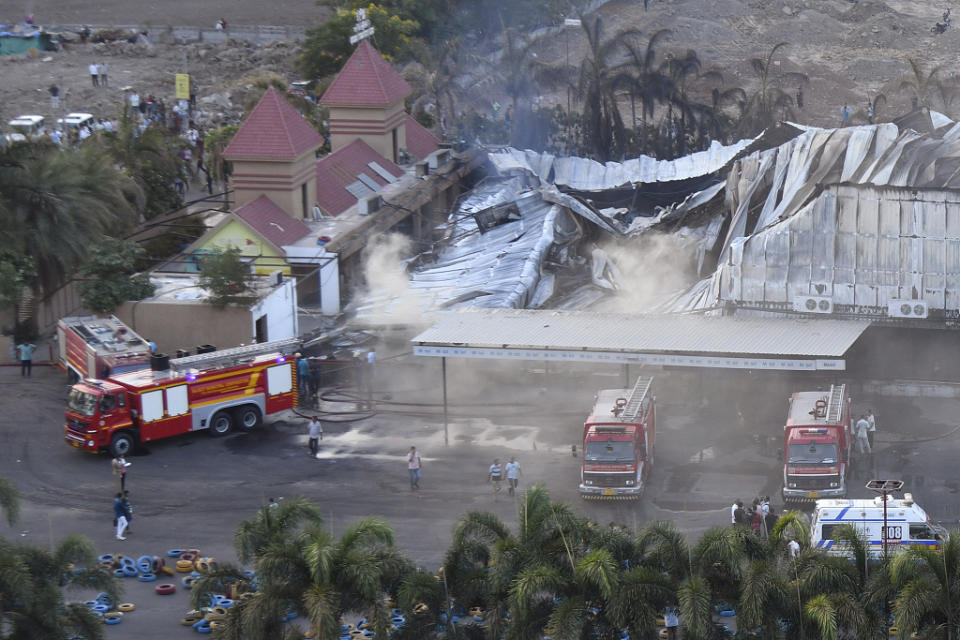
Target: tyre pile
207, 618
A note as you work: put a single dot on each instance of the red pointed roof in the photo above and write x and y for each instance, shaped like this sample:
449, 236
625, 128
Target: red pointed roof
342, 168
366, 79
420, 142
270, 221
273, 130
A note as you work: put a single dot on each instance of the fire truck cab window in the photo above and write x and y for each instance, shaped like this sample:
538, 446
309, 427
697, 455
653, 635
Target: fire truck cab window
609, 451
108, 403
812, 453
82, 402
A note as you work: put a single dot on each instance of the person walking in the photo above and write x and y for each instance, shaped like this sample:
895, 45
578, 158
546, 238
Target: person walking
94, 73
120, 471
799, 97
870, 112
303, 377
126, 503
54, 97
844, 115
414, 465
121, 515
670, 622
862, 428
496, 475
872, 421
513, 475
315, 429
25, 351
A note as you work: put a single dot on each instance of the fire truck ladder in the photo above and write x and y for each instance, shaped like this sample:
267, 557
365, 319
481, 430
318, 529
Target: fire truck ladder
638, 399
234, 356
835, 403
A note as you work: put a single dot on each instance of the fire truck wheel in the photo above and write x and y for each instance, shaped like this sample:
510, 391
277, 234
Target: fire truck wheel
121, 444
221, 424
247, 418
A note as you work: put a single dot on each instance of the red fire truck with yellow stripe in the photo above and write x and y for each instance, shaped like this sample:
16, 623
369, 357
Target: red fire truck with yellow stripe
216, 391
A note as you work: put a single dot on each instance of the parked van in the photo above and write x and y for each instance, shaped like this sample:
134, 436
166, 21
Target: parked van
907, 525
75, 120
28, 126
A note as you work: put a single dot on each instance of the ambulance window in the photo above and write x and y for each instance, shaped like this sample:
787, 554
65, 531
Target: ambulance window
279, 379
826, 531
177, 403
151, 405
921, 532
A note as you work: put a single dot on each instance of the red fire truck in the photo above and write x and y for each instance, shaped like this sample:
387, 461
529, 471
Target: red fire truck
92, 347
216, 391
618, 440
816, 445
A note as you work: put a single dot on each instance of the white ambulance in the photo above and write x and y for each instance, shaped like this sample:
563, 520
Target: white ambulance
907, 525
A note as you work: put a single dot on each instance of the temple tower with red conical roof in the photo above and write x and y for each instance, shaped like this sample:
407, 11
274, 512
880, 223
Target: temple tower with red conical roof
366, 102
274, 153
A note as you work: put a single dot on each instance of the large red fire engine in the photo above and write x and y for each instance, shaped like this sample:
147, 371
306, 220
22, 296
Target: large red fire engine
216, 391
816, 445
92, 347
618, 440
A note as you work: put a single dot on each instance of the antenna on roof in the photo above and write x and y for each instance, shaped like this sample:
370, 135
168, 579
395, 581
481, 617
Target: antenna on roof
363, 29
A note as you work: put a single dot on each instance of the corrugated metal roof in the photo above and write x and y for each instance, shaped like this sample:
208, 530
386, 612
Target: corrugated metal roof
588, 175
573, 330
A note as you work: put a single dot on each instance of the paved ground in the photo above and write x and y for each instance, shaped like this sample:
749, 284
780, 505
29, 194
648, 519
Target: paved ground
192, 491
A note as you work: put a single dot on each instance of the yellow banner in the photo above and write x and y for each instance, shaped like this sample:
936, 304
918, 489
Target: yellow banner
183, 86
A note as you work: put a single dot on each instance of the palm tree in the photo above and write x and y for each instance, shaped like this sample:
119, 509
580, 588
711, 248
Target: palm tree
602, 123
770, 102
679, 70
299, 566
55, 203
434, 81
644, 80
927, 581
151, 158
32, 584
922, 85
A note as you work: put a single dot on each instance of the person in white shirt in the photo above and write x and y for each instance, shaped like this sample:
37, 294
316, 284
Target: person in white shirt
513, 475
861, 429
94, 74
737, 504
872, 420
793, 548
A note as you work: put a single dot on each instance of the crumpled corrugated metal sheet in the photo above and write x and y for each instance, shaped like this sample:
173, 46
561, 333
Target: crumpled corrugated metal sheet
501, 268
584, 174
861, 215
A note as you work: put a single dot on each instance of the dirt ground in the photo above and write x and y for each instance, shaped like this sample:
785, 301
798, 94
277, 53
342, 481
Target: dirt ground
850, 51
162, 12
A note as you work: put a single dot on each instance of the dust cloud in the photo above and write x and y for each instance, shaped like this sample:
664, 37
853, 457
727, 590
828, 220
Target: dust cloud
387, 295
653, 267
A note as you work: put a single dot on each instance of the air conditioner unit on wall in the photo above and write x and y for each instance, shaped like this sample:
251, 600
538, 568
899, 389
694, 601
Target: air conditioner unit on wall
907, 309
368, 205
813, 304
